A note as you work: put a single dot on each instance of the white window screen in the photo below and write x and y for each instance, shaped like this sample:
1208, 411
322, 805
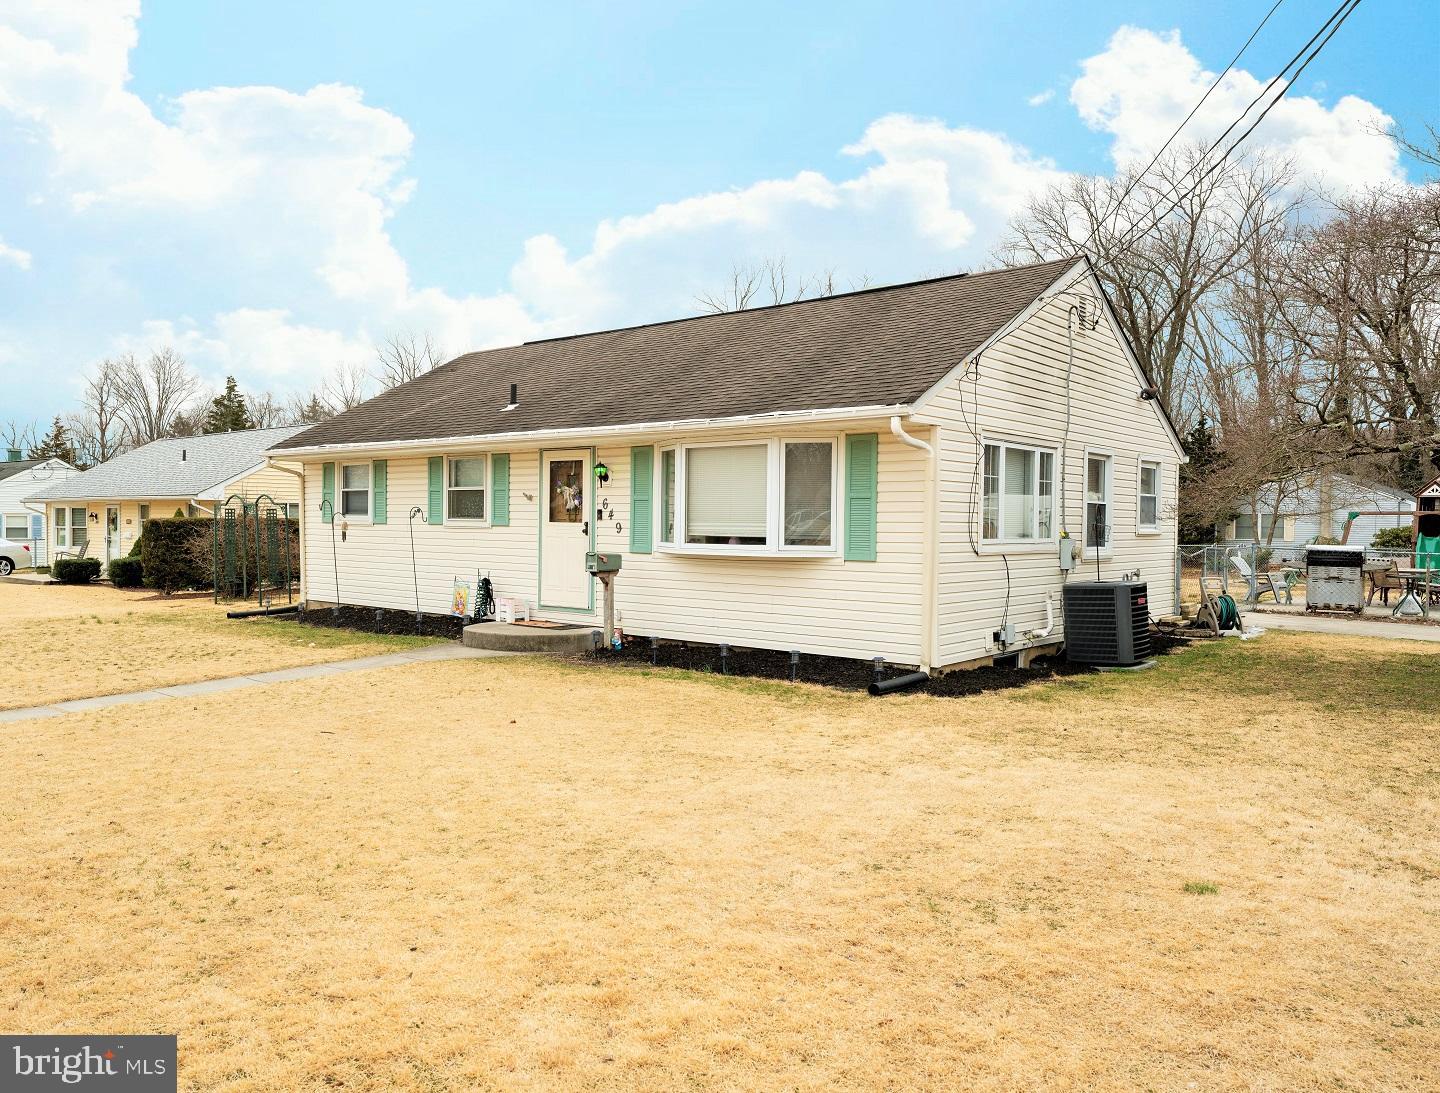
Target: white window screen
1019, 521
467, 489
1097, 501
726, 495
1045, 505
667, 496
809, 482
990, 517
355, 490
1149, 495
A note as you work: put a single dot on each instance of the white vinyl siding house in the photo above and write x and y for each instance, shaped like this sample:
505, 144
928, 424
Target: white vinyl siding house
1288, 516
20, 521
909, 532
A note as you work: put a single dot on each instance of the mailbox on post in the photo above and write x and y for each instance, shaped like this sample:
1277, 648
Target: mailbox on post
600, 562
604, 564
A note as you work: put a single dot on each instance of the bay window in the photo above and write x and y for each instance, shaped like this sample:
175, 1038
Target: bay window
754, 497
465, 488
355, 489
1017, 494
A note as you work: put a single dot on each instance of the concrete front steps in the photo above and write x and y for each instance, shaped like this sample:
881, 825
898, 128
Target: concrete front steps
515, 638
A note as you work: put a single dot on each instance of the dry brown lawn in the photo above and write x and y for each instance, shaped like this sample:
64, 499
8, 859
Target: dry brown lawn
1220, 874
78, 641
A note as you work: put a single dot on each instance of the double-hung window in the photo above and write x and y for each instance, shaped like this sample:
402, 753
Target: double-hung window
465, 488
355, 489
757, 497
1018, 494
1149, 504
1097, 501
17, 528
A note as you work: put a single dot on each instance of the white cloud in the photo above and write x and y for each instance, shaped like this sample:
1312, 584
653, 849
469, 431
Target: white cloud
285, 200
1143, 84
1040, 98
14, 255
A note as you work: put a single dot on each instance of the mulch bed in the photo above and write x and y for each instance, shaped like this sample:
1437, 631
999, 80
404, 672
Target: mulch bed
380, 620
840, 673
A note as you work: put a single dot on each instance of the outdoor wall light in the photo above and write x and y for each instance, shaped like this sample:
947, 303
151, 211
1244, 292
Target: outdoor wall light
94, 517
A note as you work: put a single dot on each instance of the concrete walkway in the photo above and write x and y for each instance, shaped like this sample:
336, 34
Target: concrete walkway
1270, 618
234, 683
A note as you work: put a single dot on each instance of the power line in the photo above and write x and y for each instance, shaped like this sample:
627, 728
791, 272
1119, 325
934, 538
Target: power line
1120, 202
1343, 13
1327, 31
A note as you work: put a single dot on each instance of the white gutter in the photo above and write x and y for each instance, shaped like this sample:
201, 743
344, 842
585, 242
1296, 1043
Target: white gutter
526, 436
929, 545
272, 465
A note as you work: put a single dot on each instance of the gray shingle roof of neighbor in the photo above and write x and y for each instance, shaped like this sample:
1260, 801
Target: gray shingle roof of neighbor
181, 468
876, 347
12, 467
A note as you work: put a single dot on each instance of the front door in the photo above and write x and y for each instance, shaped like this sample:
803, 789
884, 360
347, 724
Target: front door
112, 533
564, 529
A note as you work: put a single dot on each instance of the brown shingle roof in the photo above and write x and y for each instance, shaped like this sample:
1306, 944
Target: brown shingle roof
877, 347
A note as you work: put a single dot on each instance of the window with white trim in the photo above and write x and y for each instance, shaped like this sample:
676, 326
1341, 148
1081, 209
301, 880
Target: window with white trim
144, 517
668, 459
355, 489
1018, 494
1245, 527
17, 528
465, 488
1149, 504
769, 496
1097, 501
62, 527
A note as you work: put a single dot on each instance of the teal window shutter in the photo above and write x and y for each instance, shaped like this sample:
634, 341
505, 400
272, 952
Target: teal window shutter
380, 490
642, 503
500, 490
862, 490
436, 515
327, 491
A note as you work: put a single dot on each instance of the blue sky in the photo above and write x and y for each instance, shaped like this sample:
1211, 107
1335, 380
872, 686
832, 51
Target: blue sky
271, 187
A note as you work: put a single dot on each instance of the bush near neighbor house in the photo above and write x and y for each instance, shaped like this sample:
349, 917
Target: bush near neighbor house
177, 554
1394, 539
126, 572
75, 570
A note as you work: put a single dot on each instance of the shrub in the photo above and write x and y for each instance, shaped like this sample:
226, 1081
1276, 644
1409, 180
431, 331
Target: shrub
1394, 539
126, 572
135, 551
176, 553
75, 570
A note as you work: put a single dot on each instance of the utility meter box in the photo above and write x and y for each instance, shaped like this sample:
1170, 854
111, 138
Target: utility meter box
602, 562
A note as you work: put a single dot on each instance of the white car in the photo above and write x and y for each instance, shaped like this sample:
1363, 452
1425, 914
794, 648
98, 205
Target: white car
14, 556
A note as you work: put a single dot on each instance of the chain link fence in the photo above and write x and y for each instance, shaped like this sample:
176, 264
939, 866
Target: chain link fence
1230, 562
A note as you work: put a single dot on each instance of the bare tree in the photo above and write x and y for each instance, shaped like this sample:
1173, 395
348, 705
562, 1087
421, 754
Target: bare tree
156, 397
764, 283
345, 388
404, 357
19, 435
1361, 301
97, 428
1160, 266
265, 411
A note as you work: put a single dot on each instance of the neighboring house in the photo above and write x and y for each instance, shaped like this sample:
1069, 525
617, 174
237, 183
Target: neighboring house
107, 506
877, 473
19, 478
1287, 516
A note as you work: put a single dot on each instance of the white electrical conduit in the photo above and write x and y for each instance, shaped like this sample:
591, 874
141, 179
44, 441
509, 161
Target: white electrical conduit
928, 582
1048, 628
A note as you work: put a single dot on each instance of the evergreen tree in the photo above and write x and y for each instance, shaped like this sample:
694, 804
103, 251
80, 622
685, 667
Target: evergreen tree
313, 412
228, 411
56, 445
1197, 525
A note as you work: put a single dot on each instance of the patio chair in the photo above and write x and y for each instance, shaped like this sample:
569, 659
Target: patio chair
77, 552
1383, 579
1258, 583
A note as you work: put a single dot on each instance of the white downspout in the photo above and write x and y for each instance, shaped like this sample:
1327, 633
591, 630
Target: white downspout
928, 545
300, 474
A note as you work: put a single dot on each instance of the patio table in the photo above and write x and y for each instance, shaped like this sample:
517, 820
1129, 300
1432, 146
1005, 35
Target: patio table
1423, 584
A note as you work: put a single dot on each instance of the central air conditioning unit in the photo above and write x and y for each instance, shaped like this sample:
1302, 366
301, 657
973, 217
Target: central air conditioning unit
1107, 623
